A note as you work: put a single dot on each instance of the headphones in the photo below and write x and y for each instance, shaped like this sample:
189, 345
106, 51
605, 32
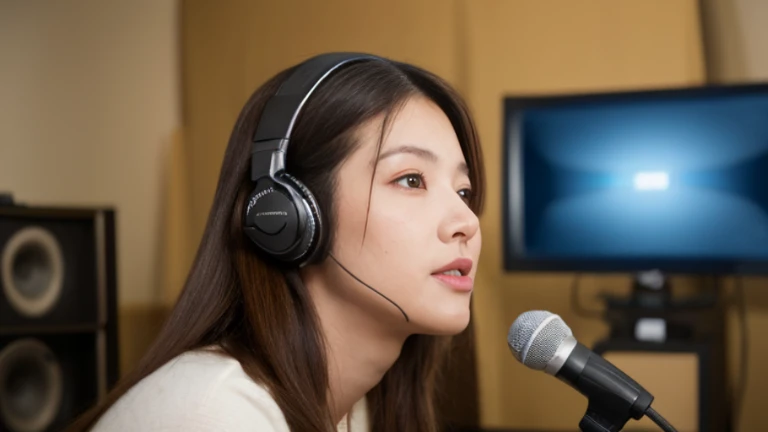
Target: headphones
282, 217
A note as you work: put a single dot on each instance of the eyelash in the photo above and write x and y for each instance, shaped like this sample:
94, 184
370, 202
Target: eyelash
467, 197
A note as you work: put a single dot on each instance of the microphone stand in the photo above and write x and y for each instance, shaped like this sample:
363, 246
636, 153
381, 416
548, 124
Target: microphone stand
598, 418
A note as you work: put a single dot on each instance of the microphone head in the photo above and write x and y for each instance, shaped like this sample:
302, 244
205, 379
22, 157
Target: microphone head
535, 336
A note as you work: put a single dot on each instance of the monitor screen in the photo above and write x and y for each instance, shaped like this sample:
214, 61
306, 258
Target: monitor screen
672, 180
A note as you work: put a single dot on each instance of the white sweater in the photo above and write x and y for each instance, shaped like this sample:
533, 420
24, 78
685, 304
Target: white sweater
203, 391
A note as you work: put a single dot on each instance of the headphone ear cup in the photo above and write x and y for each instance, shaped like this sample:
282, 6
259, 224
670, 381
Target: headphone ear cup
281, 219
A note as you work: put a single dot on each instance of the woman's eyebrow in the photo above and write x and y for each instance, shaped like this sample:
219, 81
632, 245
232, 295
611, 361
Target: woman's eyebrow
420, 152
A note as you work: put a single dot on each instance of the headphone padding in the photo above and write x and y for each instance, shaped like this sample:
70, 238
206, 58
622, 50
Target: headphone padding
313, 231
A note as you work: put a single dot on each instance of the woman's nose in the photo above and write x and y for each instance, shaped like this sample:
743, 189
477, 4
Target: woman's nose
458, 222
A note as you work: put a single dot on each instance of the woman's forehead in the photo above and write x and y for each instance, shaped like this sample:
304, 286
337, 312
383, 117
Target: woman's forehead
419, 126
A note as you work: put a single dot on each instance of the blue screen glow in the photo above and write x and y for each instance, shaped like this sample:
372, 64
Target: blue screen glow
672, 178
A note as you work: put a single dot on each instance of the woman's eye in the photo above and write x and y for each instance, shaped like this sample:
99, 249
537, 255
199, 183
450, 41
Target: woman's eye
411, 181
466, 195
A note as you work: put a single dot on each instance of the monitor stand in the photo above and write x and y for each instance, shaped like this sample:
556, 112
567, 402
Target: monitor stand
652, 319
652, 289
651, 293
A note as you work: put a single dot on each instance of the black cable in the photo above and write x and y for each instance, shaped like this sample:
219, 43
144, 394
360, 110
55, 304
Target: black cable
659, 420
740, 391
576, 304
369, 287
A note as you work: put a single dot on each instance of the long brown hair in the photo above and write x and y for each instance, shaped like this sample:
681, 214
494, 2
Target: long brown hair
260, 313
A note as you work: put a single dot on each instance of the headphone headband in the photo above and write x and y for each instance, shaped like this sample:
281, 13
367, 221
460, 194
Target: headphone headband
281, 111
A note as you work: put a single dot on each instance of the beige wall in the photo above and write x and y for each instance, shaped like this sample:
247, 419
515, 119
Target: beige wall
89, 103
737, 34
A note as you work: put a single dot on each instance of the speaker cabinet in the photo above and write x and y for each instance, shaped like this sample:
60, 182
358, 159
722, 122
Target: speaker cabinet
58, 322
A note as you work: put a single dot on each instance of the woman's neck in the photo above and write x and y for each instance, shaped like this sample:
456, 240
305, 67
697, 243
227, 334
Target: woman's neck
360, 349
358, 353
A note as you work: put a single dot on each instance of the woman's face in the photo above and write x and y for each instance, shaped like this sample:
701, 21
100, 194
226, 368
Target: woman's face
418, 243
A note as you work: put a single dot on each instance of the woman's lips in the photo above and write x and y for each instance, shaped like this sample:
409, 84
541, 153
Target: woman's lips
457, 283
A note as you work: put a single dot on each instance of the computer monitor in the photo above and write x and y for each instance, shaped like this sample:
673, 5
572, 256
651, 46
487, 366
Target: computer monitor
674, 180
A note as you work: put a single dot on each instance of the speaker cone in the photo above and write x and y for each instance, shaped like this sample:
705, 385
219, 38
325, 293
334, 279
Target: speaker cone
30, 386
32, 271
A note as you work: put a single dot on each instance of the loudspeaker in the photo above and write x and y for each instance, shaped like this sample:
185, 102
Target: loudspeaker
58, 322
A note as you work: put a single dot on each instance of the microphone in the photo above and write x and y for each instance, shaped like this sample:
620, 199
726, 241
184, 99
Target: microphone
369, 287
541, 340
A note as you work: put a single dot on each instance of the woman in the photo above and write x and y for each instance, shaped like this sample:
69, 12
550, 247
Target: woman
352, 338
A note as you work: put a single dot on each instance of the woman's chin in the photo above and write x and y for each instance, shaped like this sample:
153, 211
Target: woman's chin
446, 325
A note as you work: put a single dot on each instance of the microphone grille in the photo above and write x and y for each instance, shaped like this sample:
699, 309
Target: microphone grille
535, 336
